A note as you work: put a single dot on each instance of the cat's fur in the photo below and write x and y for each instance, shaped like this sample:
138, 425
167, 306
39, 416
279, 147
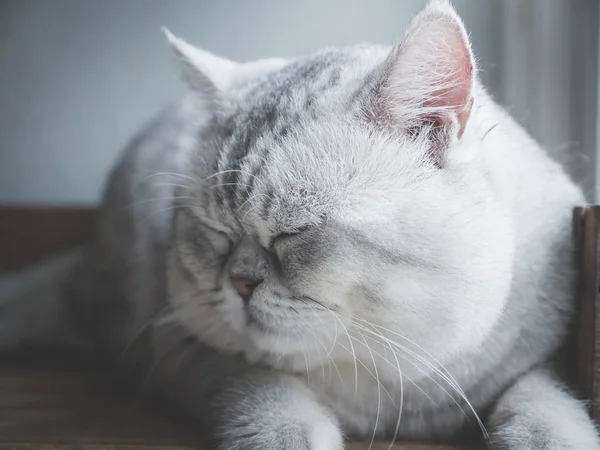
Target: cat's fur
411, 241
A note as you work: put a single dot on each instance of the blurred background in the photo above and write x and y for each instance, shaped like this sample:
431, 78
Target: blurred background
79, 77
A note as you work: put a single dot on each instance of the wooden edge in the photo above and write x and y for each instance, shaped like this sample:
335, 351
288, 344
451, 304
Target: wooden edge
586, 229
30, 233
25, 446
50, 446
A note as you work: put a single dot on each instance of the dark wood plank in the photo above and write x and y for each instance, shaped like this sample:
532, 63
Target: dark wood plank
587, 232
26, 446
30, 233
68, 407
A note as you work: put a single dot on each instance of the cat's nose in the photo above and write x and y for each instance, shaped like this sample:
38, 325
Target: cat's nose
245, 287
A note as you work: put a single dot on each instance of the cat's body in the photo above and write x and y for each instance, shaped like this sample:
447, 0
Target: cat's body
142, 201
445, 254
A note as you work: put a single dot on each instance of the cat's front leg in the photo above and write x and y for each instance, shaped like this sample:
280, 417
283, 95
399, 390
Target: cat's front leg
273, 411
537, 413
243, 407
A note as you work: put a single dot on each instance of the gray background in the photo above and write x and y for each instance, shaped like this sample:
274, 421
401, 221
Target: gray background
78, 77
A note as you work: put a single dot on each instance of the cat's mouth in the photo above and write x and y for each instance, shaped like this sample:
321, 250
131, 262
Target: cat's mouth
269, 333
256, 321
264, 335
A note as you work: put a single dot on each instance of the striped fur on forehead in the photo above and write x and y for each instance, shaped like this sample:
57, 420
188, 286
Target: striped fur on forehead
270, 106
259, 116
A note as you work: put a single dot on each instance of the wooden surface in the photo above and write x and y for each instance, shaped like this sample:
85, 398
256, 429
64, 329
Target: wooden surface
67, 408
78, 401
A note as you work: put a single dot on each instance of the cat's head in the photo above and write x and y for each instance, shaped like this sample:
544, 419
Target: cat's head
341, 193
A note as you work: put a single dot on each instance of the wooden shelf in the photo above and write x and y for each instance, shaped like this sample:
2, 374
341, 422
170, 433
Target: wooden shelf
81, 405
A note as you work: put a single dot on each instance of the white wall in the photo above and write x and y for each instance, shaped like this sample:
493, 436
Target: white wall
78, 77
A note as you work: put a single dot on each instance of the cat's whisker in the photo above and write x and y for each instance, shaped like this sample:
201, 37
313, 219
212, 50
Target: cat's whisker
454, 383
353, 353
328, 353
397, 429
428, 354
157, 199
336, 332
184, 186
403, 349
369, 371
443, 376
403, 375
309, 364
171, 208
357, 360
306, 362
222, 172
252, 197
248, 212
378, 390
317, 340
145, 327
214, 186
447, 373
170, 174
386, 360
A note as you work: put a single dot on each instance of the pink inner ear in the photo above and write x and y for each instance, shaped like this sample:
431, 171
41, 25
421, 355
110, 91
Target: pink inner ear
457, 70
429, 77
455, 93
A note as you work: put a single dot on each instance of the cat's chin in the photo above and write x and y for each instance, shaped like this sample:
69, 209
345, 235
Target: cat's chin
288, 362
268, 339
278, 343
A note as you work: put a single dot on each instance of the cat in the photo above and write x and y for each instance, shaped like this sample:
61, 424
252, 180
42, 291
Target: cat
354, 244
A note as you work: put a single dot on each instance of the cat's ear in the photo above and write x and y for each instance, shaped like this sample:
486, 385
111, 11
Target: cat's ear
204, 72
427, 80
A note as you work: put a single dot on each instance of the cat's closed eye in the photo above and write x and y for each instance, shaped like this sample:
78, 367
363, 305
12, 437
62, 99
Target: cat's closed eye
287, 235
280, 239
218, 239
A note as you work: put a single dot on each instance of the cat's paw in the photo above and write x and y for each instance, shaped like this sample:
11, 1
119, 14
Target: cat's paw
281, 414
285, 438
524, 433
536, 412
317, 435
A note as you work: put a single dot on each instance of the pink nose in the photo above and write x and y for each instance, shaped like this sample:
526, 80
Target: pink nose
244, 286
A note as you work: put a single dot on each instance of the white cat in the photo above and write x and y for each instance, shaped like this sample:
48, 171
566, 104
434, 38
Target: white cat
357, 243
